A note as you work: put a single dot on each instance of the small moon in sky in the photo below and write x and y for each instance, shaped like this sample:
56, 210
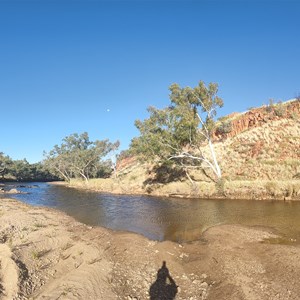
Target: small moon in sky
108, 110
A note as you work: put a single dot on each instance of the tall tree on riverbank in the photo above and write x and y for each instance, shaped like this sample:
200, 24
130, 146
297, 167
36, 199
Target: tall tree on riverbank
77, 156
179, 132
5, 164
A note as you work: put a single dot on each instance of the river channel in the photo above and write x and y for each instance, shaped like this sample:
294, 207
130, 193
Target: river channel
162, 218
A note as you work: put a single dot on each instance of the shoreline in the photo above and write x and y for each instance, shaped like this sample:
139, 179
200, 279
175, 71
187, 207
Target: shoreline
242, 191
288, 190
46, 254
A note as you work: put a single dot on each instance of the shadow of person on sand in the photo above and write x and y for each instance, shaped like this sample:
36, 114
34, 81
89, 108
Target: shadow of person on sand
164, 287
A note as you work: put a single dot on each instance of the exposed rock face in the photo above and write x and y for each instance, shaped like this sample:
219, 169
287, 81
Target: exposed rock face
126, 163
259, 116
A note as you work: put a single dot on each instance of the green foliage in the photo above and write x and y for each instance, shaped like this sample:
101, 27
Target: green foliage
272, 188
104, 169
220, 186
176, 132
279, 109
224, 127
160, 135
22, 170
294, 116
77, 156
5, 164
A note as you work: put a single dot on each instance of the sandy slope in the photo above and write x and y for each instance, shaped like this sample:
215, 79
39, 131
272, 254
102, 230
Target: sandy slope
45, 254
9, 273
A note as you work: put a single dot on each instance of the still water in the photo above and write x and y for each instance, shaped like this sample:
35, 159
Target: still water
162, 218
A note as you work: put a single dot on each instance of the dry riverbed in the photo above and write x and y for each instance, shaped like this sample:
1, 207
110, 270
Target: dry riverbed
45, 254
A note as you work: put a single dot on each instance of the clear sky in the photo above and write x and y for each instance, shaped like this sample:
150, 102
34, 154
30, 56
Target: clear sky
95, 66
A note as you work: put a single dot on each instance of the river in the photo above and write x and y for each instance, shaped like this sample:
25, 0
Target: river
162, 218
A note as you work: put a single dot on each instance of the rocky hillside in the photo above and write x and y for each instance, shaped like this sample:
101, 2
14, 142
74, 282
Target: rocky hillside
258, 151
264, 143
235, 123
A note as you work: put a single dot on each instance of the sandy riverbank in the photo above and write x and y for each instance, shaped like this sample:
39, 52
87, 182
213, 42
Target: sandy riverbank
46, 254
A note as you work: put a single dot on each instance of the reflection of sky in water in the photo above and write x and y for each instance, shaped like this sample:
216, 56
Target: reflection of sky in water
163, 218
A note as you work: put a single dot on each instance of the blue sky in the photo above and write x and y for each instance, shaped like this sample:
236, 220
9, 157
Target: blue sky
95, 66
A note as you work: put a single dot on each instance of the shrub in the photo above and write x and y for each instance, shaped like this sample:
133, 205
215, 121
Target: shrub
270, 106
294, 116
223, 119
272, 188
224, 127
279, 110
220, 186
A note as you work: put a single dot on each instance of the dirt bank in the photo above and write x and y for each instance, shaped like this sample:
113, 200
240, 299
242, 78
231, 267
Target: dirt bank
288, 190
45, 254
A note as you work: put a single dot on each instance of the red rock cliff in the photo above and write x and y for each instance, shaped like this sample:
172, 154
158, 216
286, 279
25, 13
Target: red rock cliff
259, 116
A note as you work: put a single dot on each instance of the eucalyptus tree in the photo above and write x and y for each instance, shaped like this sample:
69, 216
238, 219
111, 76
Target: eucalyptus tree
5, 164
77, 156
180, 132
21, 170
